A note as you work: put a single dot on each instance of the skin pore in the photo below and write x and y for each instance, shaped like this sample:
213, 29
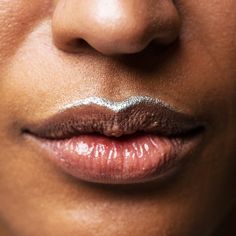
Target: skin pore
53, 52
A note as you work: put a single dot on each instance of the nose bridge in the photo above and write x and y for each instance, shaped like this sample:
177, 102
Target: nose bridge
114, 26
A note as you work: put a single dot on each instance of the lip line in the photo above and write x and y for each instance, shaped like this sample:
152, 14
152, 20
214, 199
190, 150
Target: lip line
115, 106
75, 118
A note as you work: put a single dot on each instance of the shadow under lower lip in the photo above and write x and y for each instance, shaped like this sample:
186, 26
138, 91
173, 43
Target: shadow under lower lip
101, 159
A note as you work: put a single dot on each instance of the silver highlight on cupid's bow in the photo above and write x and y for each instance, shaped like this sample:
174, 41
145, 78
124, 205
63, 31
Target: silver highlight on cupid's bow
116, 106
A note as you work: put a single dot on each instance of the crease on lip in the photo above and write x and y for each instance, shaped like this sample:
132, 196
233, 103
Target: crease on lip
114, 119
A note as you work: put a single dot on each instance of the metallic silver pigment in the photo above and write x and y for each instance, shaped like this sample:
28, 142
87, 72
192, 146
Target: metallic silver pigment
114, 105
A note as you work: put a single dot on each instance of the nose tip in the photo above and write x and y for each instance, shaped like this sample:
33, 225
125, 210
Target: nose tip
114, 26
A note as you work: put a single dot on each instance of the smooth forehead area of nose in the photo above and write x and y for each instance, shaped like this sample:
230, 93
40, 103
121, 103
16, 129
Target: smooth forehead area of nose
114, 26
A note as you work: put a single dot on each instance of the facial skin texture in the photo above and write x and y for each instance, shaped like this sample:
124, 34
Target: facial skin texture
54, 52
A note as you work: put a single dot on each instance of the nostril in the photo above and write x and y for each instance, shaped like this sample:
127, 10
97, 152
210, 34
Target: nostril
75, 45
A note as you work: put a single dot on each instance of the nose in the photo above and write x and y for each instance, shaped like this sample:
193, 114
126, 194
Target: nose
114, 26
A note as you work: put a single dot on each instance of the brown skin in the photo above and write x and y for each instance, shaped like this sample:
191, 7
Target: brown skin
42, 68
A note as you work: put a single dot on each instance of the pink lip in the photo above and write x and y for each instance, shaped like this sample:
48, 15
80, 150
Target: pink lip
137, 140
101, 159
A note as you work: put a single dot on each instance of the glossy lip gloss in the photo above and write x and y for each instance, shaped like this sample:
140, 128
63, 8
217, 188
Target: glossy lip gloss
132, 141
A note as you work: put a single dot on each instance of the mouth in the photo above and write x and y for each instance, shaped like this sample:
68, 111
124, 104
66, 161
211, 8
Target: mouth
137, 140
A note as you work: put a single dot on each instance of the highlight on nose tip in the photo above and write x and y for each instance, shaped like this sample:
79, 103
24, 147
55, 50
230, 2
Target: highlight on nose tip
114, 26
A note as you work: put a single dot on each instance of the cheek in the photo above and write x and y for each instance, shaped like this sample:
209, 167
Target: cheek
17, 18
212, 24
208, 35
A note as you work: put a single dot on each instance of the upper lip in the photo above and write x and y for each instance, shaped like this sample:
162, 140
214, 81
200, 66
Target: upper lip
97, 115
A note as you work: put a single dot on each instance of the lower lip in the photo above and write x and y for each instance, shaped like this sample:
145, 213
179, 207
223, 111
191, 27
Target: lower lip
101, 159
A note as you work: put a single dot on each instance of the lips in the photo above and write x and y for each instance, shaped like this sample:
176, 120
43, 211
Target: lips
137, 140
